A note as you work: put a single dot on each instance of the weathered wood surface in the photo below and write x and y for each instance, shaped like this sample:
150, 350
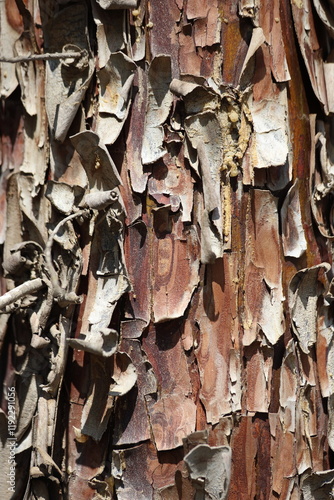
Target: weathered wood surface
180, 342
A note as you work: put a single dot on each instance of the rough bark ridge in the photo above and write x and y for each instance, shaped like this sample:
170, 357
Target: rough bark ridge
166, 195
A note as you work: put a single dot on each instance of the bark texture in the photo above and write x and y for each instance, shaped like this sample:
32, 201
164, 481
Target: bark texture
166, 232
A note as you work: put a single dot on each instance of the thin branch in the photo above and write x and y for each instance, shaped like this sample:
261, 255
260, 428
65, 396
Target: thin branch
58, 292
44, 57
34, 285
21, 291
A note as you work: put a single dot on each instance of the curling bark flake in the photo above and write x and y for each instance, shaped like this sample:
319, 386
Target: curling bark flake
166, 238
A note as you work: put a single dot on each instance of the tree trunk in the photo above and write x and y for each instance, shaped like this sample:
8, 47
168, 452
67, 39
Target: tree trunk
166, 190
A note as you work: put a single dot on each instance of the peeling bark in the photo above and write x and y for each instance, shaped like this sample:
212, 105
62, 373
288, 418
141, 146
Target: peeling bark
166, 237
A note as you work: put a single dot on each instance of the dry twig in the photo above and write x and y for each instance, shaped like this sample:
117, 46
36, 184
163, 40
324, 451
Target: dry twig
58, 292
43, 57
21, 291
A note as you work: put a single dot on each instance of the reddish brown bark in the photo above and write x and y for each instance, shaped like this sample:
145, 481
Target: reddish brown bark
180, 345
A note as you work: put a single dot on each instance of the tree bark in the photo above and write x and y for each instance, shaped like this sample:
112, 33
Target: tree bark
166, 240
